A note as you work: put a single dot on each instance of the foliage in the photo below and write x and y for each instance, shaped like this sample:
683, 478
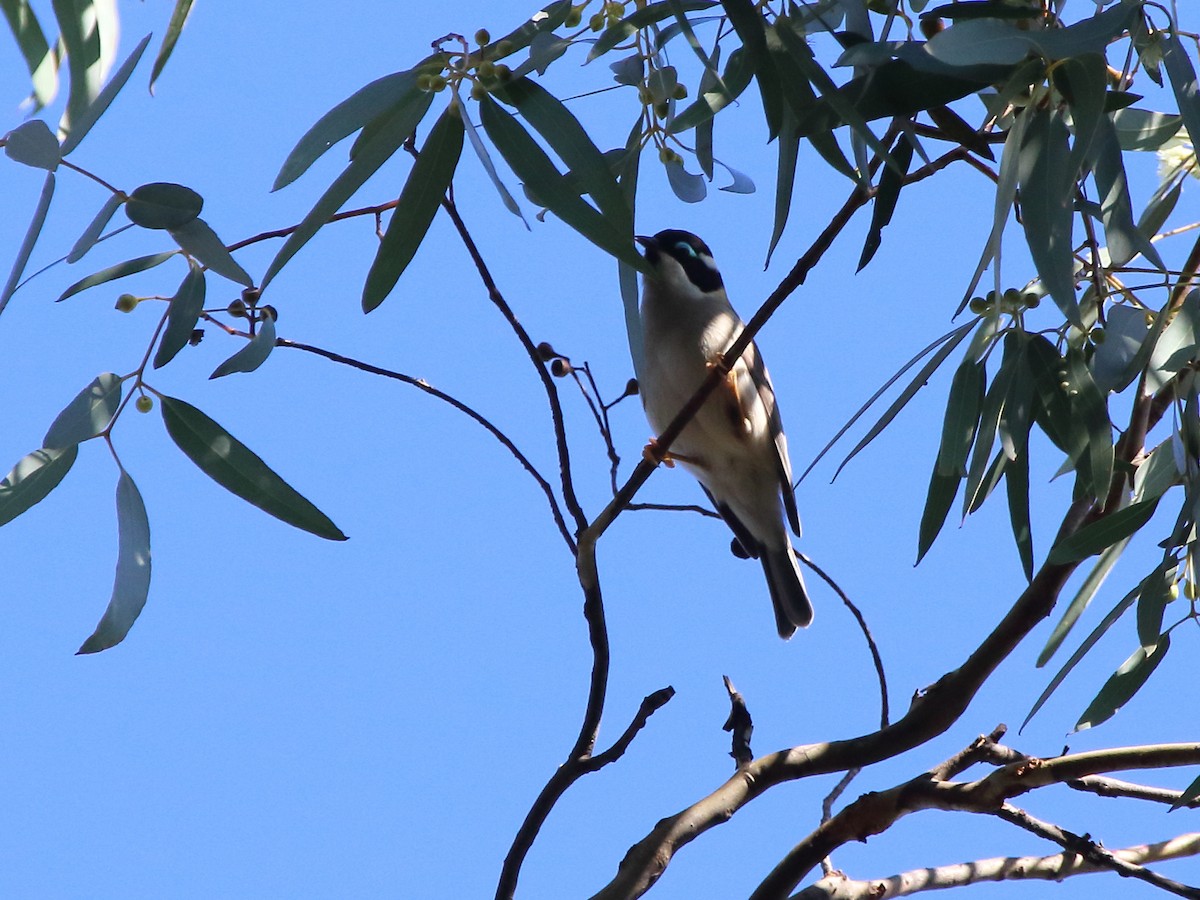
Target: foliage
1103, 341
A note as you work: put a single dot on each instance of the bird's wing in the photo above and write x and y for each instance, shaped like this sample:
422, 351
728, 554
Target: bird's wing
749, 542
766, 396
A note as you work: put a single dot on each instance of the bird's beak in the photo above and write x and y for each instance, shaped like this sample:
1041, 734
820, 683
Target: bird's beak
650, 245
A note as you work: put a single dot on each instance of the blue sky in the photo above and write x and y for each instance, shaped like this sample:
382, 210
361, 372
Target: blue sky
292, 717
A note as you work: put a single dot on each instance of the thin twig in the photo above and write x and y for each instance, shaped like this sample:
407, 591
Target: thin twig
1083, 846
425, 386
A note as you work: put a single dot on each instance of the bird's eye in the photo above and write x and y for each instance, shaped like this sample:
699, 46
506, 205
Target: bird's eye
686, 248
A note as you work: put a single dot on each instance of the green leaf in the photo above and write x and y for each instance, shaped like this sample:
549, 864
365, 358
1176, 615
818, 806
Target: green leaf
785, 178
184, 313
531, 164
1082, 599
1125, 331
81, 124
942, 491
1090, 410
30, 239
890, 183
956, 335
547, 19
1159, 209
1090, 641
845, 108
1006, 192
1083, 82
995, 471
91, 234
1152, 602
1144, 129
1121, 233
163, 205
254, 354
198, 240
1183, 82
1016, 483
32, 478
1100, 535
737, 76
1047, 181
235, 467
120, 270
419, 201
42, 64
1053, 408
747, 21
87, 415
909, 392
179, 17
562, 131
131, 586
485, 159
1157, 473
648, 15
33, 144
989, 424
383, 97
963, 406
80, 34
1123, 684
387, 133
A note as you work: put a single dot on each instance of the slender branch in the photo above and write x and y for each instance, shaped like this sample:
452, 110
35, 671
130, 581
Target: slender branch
1089, 850
884, 715
1000, 868
531, 350
429, 389
1114, 787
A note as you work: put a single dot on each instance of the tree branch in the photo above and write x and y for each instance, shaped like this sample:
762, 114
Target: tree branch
1000, 868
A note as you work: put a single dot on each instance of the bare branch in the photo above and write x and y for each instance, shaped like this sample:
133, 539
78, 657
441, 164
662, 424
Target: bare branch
1114, 787
1000, 868
429, 389
1085, 848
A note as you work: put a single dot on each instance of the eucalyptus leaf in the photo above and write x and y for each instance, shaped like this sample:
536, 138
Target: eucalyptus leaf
120, 270
384, 136
942, 491
687, 187
163, 205
1090, 641
1016, 483
87, 415
31, 39
384, 96
81, 124
254, 354
33, 144
33, 477
961, 419
533, 166
1092, 583
235, 467
418, 203
27, 243
182, 316
197, 239
1183, 82
485, 159
1047, 180
1123, 684
179, 17
1098, 536
131, 586
1143, 129
91, 234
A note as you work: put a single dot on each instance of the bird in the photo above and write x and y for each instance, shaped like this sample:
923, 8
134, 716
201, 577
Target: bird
735, 445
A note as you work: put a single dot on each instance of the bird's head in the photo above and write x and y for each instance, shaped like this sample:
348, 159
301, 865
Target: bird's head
681, 262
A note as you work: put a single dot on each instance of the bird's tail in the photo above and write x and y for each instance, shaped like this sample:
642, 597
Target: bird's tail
793, 609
